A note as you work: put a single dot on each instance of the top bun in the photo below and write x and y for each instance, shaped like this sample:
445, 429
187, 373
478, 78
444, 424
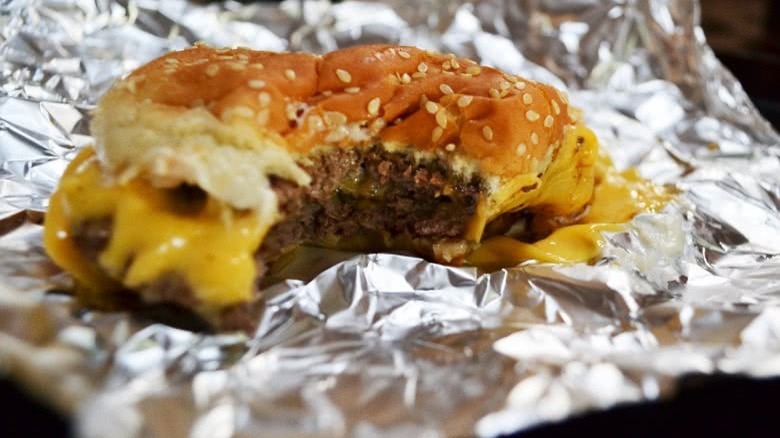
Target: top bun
401, 94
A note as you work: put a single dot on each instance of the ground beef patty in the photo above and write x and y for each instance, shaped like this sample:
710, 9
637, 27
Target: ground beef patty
366, 199
370, 200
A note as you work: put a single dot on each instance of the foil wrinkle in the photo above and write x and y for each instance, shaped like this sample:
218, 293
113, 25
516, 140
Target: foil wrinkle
391, 345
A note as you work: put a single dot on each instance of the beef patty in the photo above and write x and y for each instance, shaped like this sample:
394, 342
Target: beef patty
364, 199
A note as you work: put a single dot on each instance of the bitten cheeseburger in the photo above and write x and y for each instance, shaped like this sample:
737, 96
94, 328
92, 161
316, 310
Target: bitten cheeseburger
209, 164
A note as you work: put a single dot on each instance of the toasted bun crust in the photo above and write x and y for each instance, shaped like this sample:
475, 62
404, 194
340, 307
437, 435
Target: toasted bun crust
403, 96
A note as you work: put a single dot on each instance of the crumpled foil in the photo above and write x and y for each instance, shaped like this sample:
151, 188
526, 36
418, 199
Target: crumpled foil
382, 344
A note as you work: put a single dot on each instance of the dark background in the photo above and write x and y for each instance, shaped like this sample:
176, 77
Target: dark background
744, 35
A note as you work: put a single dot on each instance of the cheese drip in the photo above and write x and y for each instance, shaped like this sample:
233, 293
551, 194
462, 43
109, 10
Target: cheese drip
211, 248
617, 198
571, 244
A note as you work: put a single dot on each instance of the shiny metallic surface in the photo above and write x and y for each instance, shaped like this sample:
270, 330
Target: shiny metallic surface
389, 345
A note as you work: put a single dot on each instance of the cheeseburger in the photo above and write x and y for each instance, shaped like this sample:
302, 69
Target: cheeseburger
210, 164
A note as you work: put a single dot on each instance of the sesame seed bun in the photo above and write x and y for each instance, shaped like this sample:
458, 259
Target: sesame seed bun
167, 119
485, 113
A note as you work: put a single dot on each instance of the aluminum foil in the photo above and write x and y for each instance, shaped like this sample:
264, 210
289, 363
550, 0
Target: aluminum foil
381, 344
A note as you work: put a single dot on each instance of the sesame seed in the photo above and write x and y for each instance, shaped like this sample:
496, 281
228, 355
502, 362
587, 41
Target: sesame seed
446, 89
464, 101
172, 61
454, 63
264, 98
487, 132
335, 118
403, 54
405, 78
212, 70
532, 115
431, 107
223, 50
446, 65
521, 149
257, 65
520, 85
377, 124
199, 61
450, 147
344, 76
448, 73
504, 85
256, 84
262, 116
291, 110
527, 99
548, 121
225, 57
422, 67
373, 106
316, 123
168, 71
473, 70
337, 134
236, 66
441, 119
418, 75
327, 93
290, 74
437, 133
511, 78
243, 56
242, 111
356, 132
556, 108
534, 138
494, 93
423, 100
352, 90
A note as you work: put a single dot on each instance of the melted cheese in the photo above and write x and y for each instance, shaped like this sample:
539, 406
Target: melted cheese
561, 185
617, 198
212, 249
574, 243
